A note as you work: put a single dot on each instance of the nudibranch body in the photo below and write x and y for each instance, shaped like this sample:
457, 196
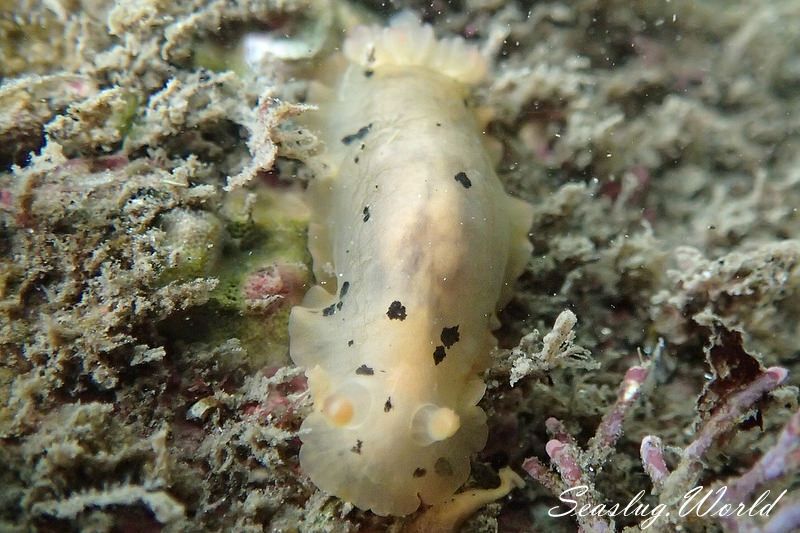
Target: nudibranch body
415, 246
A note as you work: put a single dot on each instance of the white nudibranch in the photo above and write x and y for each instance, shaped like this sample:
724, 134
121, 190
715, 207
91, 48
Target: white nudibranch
415, 246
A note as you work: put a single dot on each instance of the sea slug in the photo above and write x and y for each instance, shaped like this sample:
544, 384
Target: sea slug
415, 247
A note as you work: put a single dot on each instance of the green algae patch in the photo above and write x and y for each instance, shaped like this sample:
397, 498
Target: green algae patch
218, 57
256, 250
266, 226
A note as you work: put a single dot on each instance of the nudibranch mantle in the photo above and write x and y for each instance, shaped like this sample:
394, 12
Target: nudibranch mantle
416, 246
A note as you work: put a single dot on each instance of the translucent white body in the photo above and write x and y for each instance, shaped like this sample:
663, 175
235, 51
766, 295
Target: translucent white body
415, 245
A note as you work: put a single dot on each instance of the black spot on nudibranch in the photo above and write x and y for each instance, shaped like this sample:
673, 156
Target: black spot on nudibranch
443, 467
388, 405
368, 73
365, 212
462, 178
364, 370
330, 310
419, 472
397, 311
438, 355
357, 136
350, 342
339, 305
357, 447
450, 336
345, 288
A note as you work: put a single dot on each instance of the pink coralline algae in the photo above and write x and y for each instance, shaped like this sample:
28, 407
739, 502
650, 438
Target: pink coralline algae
275, 285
